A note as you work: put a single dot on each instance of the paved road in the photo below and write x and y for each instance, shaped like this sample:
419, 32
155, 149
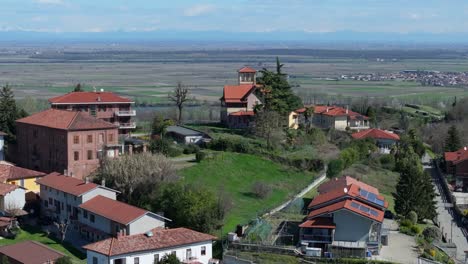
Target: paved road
445, 220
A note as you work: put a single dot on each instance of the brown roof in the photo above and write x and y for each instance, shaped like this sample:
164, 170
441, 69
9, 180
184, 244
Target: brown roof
30, 252
9, 171
89, 97
247, 69
237, 93
457, 156
162, 238
375, 133
116, 211
344, 182
66, 184
6, 188
67, 120
319, 222
350, 205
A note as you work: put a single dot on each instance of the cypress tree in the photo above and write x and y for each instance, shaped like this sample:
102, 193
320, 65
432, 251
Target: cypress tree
453, 141
8, 112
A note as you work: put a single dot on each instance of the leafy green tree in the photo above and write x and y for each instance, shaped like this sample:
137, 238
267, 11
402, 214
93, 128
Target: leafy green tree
64, 260
308, 115
187, 206
159, 125
267, 125
4, 260
78, 88
453, 141
9, 113
169, 259
349, 156
371, 113
334, 168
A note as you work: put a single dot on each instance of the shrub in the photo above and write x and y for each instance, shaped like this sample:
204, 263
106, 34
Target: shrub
406, 223
199, 156
191, 148
174, 151
334, 168
349, 156
432, 233
415, 229
241, 146
387, 162
413, 217
261, 189
64, 260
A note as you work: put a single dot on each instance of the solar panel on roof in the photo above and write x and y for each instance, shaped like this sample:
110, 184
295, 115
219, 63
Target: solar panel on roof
374, 213
355, 205
371, 197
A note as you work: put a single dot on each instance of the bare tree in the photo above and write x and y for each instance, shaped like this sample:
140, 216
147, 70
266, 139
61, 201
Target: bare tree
62, 228
267, 123
138, 173
179, 96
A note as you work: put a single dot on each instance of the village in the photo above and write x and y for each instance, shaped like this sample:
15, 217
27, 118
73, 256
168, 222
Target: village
76, 174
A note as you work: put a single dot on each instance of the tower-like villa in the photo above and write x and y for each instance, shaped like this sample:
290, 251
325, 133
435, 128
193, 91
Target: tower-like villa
247, 75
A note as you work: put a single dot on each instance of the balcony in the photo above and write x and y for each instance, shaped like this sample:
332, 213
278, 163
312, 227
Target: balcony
317, 238
131, 125
125, 113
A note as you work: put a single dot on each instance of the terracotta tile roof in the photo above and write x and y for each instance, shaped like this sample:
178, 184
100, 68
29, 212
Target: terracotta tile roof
161, 239
375, 133
30, 252
67, 184
243, 113
67, 120
457, 156
114, 210
348, 205
343, 182
9, 171
319, 222
337, 111
6, 188
236, 93
246, 70
88, 98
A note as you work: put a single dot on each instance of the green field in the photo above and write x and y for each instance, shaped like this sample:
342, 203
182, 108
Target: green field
236, 174
35, 234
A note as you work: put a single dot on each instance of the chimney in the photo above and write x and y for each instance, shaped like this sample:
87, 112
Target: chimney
65, 172
103, 183
94, 88
327, 109
87, 180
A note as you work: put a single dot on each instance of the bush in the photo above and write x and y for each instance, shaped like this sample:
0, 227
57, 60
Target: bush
199, 156
432, 233
174, 151
415, 229
261, 189
191, 148
334, 168
349, 156
413, 217
406, 223
387, 162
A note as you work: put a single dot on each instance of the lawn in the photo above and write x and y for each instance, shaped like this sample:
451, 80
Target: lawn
236, 174
35, 234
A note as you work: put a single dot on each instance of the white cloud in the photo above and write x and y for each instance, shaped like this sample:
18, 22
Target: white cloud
198, 10
50, 2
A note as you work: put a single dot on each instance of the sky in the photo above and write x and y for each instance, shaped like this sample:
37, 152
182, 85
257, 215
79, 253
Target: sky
393, 16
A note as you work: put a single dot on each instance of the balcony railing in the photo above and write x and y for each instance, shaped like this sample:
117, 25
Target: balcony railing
130, 125
318, 238
126, 113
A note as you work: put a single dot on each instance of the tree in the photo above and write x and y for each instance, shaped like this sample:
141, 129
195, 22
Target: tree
159, 125
453, 141
267, 123
372, 115
179, 96
169, 259
4, 260
64, 260
308, 116
334, 168
187, 206
137, 175
62, 228
78, 88
8, 113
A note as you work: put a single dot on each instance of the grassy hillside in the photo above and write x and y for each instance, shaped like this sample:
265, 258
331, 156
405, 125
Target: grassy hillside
236, 174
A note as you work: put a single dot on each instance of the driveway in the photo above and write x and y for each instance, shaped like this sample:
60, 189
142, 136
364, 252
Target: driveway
401, 248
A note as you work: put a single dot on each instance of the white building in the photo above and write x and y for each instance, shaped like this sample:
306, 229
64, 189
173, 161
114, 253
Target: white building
12, 198
189, 246
2, 145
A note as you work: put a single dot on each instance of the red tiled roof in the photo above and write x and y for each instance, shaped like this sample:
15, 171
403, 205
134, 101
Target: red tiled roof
236, 93
343, 182
457, 156
243, 113
161, 239
30, 252
375, 133
67, 184
319, 222
9, 171
6, 188
337, 111
114, 210
89, 97
346, 204
67, 120
246, 70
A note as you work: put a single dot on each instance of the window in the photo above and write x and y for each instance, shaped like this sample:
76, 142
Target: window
46, 203
85, 214
35, 133
120, 261
22, 182
203, 251
76, 139
188, 254
95, 261
101, 138
89, 139
90, 154
111, 137
91, 218
50, 200
136, 260
76, 156
68, 208
156, 259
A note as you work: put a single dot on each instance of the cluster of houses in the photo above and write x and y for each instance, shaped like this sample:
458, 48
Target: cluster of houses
55, 151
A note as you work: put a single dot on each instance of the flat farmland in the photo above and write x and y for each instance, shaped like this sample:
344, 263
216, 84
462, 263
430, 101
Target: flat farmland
150, 76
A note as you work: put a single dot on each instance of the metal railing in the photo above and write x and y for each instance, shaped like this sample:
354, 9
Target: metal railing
125, 113
126, 125
319, 238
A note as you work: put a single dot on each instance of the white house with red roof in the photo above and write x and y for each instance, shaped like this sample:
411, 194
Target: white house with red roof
189, 246
107, 106
385, 140
335, 117
345, 219
456, 163
238, 101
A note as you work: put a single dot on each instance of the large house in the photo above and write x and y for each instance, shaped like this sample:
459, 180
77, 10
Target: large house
92, 209
345, 219
456, 163
65, 141
26, 178
238, 101
103, 105
2, 145
189, 246
335, 117
30, 252
385, 140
